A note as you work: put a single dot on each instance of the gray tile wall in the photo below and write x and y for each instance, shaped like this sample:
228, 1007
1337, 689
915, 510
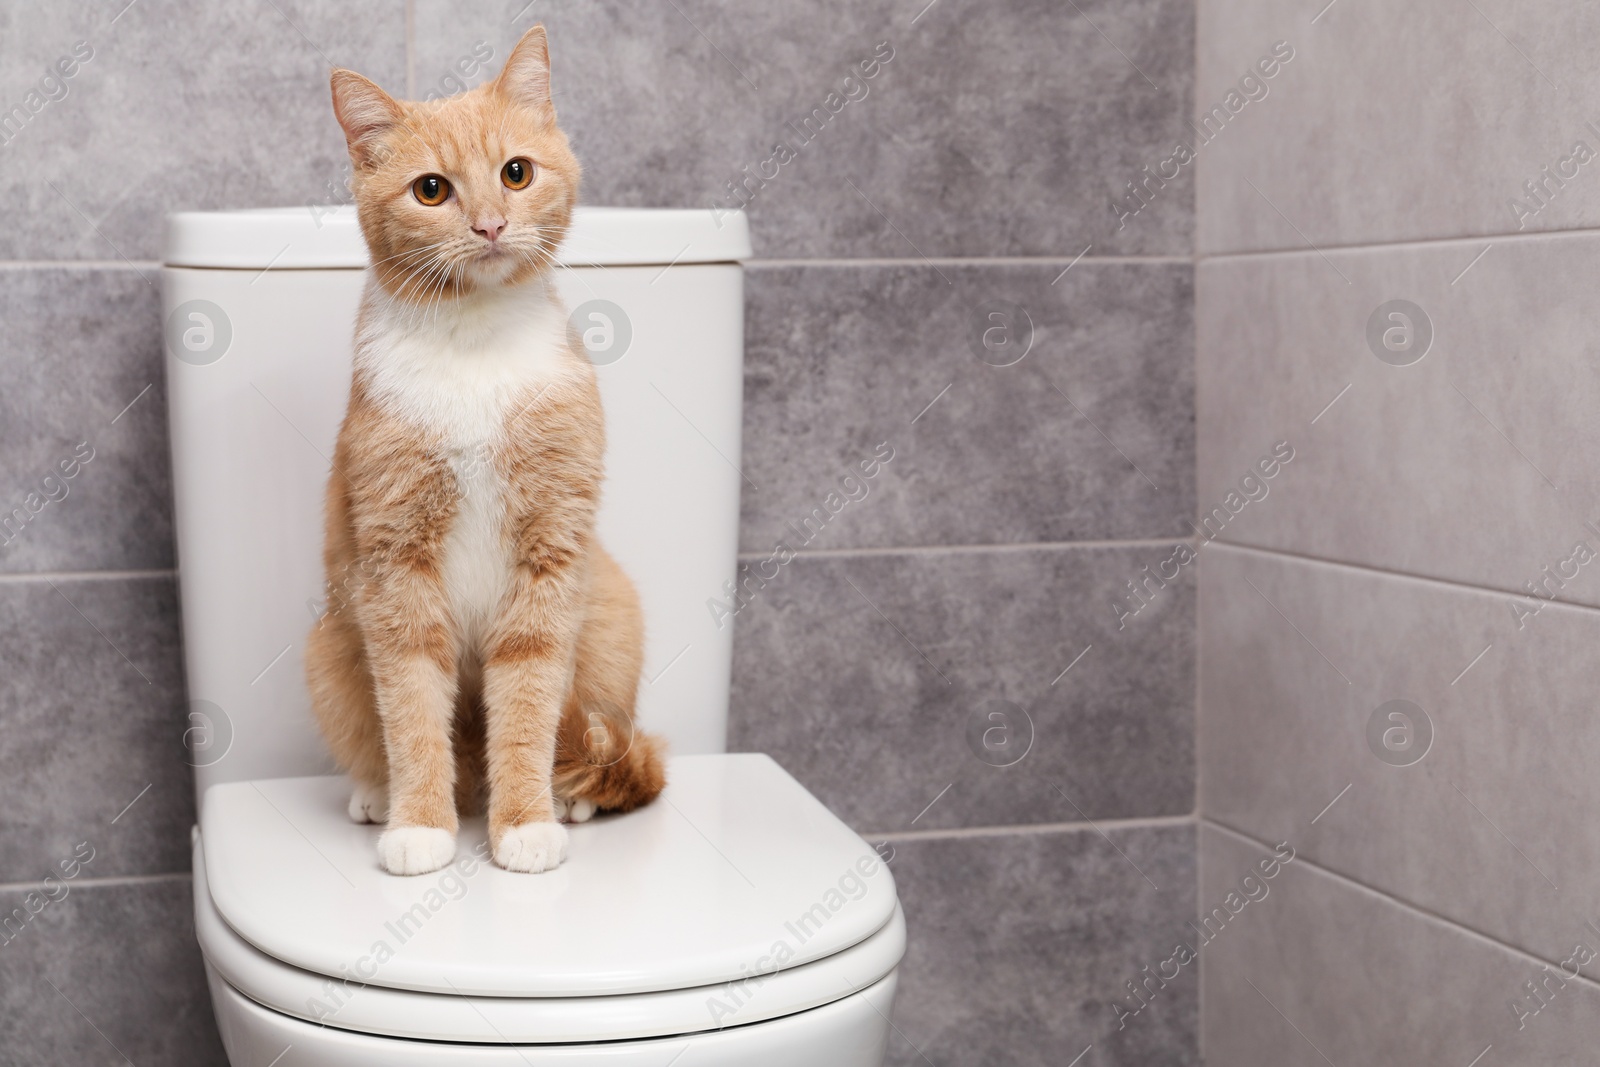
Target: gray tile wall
1429, 542
1323, 970
1005, 577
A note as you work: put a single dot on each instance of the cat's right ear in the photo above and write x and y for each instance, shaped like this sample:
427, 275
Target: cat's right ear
365, 112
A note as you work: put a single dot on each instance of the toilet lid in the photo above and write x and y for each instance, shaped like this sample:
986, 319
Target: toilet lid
734, 870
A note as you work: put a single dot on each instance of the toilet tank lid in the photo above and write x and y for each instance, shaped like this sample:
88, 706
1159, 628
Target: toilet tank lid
289, 238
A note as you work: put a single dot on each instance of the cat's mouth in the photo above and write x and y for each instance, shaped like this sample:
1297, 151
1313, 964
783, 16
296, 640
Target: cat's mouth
493, 264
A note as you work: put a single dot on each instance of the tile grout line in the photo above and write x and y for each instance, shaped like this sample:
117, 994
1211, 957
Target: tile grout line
1454, 925
1412, 244
108, 881
1367, 568
21, 577
928, 550
1031, 829
1194, 717
963, 261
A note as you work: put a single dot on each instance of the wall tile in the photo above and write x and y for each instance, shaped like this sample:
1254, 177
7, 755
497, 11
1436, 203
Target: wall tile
91, 714
1020, 944
1494, 826
83, 374
183, 105
865, 675
996, 129
1343, 975
1089, 436
128, 983
1395, 121
1472, 464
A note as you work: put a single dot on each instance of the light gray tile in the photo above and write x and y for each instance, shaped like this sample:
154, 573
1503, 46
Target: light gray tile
1020, 944
92, 714
1472, 464
1341, 975
996, 129
182, 104
870, 678
106, 975
1494, 826
1089, 436
1394, 121
83, 374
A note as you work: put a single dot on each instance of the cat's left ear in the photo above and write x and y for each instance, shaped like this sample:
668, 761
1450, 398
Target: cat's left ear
526, 79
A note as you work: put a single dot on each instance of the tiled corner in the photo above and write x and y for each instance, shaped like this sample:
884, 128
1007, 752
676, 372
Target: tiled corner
105, 975
1461, 452
84, 471
989, 688
1020, 945
1394, 121
1319, 970
93, 721
175, 105
1005, 128
1089, 434
1491, 822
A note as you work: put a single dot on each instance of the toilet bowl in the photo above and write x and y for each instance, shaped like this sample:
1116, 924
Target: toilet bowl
734, 920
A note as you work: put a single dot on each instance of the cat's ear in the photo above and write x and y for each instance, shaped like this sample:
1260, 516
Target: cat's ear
365, 111
526, 79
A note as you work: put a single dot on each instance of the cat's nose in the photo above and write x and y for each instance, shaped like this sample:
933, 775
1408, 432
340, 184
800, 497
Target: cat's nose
491, 226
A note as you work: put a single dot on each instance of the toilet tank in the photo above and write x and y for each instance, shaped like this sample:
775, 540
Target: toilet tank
259, 308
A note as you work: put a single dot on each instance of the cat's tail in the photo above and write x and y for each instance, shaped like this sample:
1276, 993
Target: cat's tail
615, 773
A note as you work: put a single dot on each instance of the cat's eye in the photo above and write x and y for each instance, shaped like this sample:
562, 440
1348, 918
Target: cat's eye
430, 189
517, 174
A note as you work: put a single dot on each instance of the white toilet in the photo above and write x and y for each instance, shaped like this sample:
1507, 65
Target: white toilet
734, 921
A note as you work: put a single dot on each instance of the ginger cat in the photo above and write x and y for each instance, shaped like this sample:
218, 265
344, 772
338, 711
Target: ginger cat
478, 638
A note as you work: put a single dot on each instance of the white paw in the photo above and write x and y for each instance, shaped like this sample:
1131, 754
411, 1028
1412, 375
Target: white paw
369, 803
576, 810
532, 847
415, 849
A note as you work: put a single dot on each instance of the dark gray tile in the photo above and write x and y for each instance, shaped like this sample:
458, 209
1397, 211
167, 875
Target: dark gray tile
83, 377
1089, 436
996, 129
183, 104
1320, 971
870, 678
91, 714
106, 975
1019, 945
1491, 824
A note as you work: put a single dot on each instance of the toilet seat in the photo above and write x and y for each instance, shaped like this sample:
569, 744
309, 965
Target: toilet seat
666, 921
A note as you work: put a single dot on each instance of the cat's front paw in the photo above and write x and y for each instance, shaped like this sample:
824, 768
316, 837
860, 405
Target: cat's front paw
415, 849
532, 847
369, 803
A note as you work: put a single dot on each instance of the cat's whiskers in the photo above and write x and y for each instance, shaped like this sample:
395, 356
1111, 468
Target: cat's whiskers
411, 272
429, 287
419, 250
411, 283
419, 285
402, 263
